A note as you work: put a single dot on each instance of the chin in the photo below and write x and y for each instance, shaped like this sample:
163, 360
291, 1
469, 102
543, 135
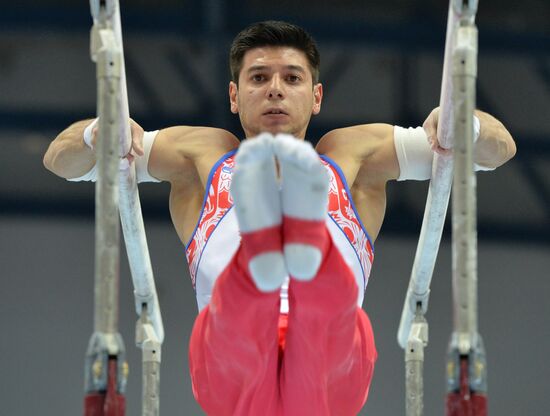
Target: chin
280, 129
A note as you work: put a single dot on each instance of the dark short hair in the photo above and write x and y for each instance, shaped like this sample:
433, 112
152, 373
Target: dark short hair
273, 33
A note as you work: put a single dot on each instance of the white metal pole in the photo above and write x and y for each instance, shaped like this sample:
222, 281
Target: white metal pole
107, 35
418, 291
106, 343
466, 366
464, 191
413, 327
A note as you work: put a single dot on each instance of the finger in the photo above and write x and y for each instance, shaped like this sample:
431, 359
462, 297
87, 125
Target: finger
137, 138
430, 124
430, 128
137, 146
442, 151
124, 164
434, 143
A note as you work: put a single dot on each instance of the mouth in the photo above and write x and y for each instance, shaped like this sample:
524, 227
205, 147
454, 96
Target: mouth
275, 112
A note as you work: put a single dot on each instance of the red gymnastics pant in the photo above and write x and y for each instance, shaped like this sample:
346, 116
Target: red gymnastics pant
247, 359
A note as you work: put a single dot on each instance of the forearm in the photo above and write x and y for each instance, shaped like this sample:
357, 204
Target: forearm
68, 156
495, 145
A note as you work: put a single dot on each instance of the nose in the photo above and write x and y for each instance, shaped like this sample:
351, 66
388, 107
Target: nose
275, 90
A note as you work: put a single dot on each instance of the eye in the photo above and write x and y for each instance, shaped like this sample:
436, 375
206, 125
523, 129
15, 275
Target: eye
257, 78
293, 79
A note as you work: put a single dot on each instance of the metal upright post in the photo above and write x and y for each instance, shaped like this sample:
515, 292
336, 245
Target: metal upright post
120, 186
466, 367
106, 368
147, 340
414, 365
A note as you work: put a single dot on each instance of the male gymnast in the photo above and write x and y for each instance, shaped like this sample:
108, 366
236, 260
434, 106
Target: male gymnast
279, 236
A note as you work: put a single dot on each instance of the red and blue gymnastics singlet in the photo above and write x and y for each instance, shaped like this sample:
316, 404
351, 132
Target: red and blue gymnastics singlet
216, 237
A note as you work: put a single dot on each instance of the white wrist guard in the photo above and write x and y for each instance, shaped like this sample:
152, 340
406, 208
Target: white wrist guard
142, 172
415, 155
88, 133
142, 162
477, 128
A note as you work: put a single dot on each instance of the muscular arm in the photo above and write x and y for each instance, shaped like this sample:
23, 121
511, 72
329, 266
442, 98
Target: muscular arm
180, 155
175, 150
370, 148
367, 156
68, 156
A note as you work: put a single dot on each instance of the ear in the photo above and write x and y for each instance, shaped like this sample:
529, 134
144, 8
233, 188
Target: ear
233, 91
317, 98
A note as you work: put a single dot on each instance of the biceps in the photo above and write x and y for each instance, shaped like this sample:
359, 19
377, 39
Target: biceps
165, 161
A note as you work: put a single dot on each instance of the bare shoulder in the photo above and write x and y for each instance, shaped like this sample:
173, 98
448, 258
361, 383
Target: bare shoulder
363, 151
181, 149
361, 140
194, 141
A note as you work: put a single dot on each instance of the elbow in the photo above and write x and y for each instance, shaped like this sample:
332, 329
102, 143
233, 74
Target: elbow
48, 159
507, 146
497, 149
51, 159
511, 148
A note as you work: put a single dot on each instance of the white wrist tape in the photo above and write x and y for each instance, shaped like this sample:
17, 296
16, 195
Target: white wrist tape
415, 155
142, 162
88, 133
142, 172
477, 128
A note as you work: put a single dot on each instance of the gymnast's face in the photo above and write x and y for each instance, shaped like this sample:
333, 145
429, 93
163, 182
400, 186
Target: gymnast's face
275, 93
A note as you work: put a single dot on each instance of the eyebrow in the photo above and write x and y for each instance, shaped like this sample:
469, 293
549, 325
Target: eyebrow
255, 68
